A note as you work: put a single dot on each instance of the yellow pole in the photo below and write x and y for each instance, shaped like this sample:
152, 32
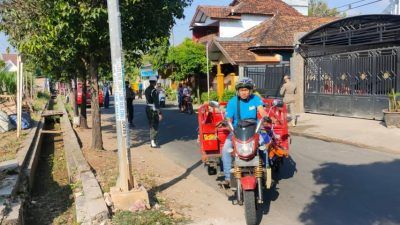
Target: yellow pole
232, 77
220, 83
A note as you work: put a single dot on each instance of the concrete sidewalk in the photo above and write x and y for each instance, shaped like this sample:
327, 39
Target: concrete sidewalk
364, 133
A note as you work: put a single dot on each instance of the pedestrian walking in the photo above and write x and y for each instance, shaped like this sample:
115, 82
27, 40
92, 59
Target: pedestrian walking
130, 95
288, 91
153, 111
180, 96
140, 90
106, 95
110, 86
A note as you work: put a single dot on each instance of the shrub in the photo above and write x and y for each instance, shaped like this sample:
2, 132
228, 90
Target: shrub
8, 82
213, 96
171, 94
394, 101
228, 94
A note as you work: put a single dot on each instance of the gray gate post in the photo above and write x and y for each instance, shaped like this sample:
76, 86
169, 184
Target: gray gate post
297, 74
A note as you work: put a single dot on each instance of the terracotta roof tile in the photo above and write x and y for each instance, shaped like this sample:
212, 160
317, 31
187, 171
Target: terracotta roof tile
237, 51
265, 7
281, 33
10, 57
258, 7
216, 11
277, 32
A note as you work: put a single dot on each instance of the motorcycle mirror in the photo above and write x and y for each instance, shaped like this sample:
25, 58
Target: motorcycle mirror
258, 128
277, 103
214, 104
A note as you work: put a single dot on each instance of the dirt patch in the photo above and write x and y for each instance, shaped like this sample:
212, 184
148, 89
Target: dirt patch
172, 189
10, 144
183, 192
104, 166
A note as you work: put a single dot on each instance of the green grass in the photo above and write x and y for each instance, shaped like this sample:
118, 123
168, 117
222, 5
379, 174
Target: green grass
38, 104
8, 82
145, 218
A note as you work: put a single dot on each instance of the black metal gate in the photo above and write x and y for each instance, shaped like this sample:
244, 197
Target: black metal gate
268, 79
354, 84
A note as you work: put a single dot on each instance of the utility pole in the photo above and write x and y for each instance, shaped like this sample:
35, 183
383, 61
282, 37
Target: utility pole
19, 94
208, 74
126, 192
398, 7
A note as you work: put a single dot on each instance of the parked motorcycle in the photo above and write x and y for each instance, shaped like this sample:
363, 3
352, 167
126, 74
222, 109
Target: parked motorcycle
162, 98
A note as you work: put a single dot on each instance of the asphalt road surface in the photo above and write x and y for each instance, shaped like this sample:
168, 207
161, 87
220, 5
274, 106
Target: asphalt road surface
322, 183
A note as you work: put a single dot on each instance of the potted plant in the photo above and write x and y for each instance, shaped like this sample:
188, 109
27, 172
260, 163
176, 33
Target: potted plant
391, 116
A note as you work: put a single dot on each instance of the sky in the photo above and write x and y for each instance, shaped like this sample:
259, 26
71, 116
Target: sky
182, 29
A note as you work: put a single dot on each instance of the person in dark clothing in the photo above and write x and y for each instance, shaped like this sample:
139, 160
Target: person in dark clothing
140, 89
153, 111
130, 95
180, 96
106, 95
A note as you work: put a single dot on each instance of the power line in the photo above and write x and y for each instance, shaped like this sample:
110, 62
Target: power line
349, 4
369, 3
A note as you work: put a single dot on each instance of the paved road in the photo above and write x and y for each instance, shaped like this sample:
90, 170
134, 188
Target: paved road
323, 183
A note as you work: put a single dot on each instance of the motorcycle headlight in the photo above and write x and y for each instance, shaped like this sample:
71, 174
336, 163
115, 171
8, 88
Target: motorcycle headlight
245, 149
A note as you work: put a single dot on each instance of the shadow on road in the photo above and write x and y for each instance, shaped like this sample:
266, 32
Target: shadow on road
176, 180
177, 126
355, 194
286, 171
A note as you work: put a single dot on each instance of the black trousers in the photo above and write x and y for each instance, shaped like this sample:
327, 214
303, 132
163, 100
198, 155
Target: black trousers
129, 105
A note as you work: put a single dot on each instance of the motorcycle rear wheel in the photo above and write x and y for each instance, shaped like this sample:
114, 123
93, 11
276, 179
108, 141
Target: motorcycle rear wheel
211, 170
250, 207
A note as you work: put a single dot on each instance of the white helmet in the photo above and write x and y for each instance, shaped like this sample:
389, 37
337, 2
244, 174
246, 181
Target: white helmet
153, 78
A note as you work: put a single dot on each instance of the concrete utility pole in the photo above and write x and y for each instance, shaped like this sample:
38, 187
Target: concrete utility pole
208, 75
19, 94
393, 7
127, 192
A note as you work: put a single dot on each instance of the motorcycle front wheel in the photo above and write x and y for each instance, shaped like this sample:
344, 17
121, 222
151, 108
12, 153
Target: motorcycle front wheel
250, 207
190, 109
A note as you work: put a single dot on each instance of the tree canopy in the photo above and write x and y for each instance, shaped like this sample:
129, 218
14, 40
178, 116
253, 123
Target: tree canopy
320, 8
188, 58
2, 65
62, 37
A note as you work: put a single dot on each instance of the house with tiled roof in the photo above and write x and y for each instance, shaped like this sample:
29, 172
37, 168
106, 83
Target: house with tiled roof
272, 41
10, 61
238, 17
253, 33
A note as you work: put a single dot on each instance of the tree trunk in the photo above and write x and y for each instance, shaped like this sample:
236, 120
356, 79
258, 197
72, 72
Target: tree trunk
97, 141
83, 115
75, 97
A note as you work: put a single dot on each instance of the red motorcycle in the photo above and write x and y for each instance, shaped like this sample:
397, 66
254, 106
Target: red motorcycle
250, 174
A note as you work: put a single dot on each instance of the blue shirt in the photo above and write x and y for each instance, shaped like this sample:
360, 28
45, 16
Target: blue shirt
248, 108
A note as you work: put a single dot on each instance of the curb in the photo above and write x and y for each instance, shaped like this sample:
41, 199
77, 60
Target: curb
89, 202
341, 141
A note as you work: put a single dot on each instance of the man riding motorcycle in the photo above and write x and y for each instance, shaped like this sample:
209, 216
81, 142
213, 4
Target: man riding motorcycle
187, 99
248, 105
